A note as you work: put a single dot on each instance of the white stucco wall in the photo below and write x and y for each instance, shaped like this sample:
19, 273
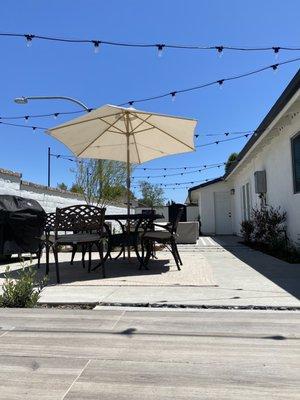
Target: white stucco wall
49, 198
272, 152
206, 206
275, 157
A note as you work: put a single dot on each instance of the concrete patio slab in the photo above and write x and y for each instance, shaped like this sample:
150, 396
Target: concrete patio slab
243, 277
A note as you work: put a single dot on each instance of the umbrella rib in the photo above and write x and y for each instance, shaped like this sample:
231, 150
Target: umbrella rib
120, 130
90, 144
152, 148
168, 134
161, 115
143, 120
82, 122
137, 151
144, 130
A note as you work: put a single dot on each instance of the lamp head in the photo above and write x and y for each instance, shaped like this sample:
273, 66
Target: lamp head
21, 100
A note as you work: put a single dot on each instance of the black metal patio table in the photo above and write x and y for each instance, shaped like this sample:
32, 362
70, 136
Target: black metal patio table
129, 238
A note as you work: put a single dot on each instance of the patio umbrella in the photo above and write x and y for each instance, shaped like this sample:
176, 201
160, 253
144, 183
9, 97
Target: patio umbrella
126, 134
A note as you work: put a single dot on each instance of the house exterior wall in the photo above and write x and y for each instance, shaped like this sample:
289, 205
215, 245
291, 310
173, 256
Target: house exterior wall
206, 206
276, 159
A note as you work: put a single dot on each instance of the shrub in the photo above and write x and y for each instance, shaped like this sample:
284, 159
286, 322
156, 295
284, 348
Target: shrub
266, 231
269, 225
23, 291
247, 230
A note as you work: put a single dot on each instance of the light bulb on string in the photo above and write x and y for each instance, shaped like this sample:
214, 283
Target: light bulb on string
220, 50
26, 118
276, 52
274, 67
96, 46
220, 82
55, 115
29, 40
160, 48
173, 96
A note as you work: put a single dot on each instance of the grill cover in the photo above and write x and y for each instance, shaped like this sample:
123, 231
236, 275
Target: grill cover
22, 223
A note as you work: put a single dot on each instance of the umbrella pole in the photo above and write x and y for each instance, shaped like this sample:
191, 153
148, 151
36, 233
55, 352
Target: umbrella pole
128, 180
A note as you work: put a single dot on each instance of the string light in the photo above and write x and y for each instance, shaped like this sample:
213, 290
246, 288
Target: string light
220, 50
173, 96
23, 126
276, 51
160, 46
96, 46
181, 173
219, 82
29, 40
177, 184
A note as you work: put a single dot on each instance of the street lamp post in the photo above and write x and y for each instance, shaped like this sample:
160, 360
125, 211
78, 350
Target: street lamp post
24, 100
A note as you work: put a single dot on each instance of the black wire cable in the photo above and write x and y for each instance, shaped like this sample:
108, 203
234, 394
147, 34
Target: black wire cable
177, 184
175, 92
160, 46
219, 82
179, 173
23, 126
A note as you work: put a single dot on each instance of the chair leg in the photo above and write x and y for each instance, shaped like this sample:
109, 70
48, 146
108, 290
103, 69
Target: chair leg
47, 259
74, 251
102, 260
178, 255
90, 257
174, 253
55, 252
83, 251
39, 254
145, 259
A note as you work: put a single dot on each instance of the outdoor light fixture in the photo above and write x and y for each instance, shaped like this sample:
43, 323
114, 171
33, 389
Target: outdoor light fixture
21, 100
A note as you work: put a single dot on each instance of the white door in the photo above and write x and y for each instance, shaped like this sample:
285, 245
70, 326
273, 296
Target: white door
223, 213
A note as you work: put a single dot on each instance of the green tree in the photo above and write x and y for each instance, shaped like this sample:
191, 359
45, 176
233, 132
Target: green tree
75, 188
152, 195
101, 181
230, 160
62, 186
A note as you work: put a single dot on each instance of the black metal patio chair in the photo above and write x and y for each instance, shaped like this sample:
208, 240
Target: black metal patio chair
165, 236
83, 225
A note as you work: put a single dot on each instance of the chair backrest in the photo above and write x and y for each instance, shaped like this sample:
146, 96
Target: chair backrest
79, 218
175, 222
50, 222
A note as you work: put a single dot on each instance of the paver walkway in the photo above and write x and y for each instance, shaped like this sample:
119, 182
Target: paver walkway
55, 354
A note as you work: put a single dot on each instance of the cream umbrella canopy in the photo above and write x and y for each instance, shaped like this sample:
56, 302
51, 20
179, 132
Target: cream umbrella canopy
126, 134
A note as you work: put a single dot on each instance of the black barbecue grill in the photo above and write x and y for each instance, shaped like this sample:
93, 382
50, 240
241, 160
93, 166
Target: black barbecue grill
21, 225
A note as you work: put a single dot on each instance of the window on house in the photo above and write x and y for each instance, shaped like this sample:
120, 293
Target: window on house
296, 162
246, 202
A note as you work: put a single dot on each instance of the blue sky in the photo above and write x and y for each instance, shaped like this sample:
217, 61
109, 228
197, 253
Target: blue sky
115, 74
